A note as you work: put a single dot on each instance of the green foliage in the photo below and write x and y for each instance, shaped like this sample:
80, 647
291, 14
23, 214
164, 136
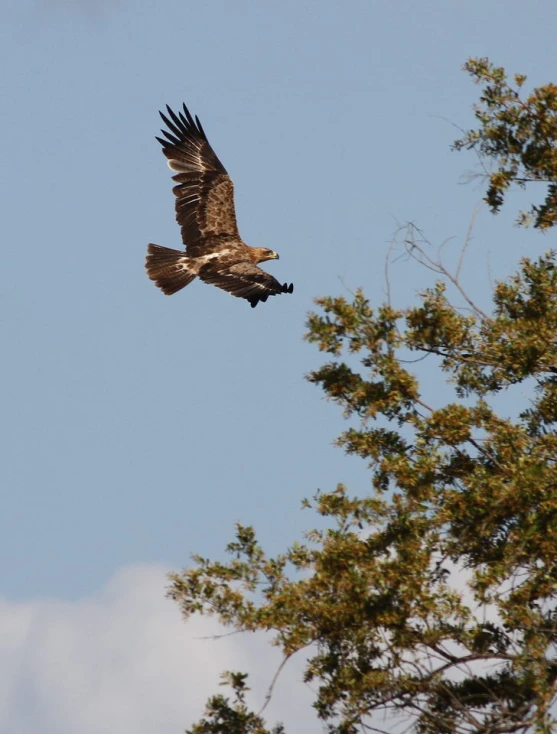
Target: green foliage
435, 595
519, 135
224, 717
431, 598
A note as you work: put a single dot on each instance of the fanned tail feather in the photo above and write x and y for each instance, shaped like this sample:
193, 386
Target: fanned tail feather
171, 270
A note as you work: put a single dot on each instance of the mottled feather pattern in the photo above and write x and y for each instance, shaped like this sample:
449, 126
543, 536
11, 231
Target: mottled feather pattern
205, 212
171, 270
244, 280
199, 174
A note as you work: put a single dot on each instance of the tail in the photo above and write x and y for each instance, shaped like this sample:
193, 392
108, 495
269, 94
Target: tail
170, 269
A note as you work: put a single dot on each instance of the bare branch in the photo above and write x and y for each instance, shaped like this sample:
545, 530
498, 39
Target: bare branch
437, 266
468, 237
271, 688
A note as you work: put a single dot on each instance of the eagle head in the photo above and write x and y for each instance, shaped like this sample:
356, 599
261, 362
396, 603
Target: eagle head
261, 254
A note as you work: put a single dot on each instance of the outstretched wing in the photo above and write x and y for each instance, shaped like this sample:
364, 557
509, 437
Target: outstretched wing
205, 192
244, 280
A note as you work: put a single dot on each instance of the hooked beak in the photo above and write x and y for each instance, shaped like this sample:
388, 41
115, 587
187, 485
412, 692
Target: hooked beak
276, 256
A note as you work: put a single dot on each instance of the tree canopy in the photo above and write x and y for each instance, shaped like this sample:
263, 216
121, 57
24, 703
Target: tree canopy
431, 600
516, 138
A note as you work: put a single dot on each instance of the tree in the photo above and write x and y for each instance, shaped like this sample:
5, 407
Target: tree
518, 136
433, 599
233, 718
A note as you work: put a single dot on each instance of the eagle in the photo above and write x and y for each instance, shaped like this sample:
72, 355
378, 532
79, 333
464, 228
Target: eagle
204, 193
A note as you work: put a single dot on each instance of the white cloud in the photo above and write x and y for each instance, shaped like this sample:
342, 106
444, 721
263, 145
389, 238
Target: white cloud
123, 660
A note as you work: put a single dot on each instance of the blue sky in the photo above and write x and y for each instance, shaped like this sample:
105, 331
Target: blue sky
138, 428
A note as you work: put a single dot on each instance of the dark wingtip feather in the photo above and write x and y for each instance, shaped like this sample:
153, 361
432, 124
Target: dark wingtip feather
172, 114
175, 126
177, 121
182, 123
200, 127
173, 139
187, 113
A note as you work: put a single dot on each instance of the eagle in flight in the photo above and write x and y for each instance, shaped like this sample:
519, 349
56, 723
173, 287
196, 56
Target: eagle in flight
204, 195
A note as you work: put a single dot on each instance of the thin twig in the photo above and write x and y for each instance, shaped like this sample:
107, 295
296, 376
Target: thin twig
438, 267
269, 693
468, 237
219, 637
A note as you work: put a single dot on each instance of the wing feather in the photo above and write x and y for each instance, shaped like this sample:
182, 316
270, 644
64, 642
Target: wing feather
243, 280
205, 192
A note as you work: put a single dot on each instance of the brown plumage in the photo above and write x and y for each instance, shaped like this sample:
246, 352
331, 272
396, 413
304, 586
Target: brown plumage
205, 212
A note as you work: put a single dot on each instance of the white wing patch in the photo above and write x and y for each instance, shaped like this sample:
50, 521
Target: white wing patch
204, 259
196, 164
